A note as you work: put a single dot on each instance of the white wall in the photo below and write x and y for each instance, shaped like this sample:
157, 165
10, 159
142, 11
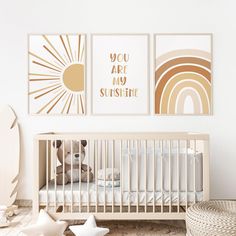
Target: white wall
19, 18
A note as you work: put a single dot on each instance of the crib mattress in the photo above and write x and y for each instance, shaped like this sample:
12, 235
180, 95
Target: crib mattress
101, 198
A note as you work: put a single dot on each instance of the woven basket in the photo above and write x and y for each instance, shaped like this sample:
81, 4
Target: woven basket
211, 218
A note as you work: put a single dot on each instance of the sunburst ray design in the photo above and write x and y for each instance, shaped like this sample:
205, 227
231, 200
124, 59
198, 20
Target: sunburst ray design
57, 74
32, 74
44, 79
40, 58
49, 91
68, 41
42, 89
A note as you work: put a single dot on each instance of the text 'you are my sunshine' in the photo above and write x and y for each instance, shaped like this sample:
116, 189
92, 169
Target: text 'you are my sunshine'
119, 77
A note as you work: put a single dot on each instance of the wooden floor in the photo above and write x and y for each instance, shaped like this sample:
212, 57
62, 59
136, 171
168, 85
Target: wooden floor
117, 228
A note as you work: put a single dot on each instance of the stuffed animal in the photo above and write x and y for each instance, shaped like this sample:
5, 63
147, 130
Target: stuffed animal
78, 156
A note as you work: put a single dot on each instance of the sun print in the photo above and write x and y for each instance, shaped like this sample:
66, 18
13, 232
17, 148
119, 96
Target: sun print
57, 74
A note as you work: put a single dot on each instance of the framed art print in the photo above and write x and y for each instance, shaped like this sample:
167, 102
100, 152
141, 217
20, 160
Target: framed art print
120, 74
57, 74
183, 74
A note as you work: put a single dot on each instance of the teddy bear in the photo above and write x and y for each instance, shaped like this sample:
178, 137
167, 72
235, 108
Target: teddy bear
78, 156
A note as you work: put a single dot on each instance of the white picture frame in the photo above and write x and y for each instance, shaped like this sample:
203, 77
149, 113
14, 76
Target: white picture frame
120, 74
57, 74
183, 83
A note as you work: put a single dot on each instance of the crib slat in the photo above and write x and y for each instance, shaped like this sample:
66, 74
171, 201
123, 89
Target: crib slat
178, 173
113, 154
128, 148
96, 173
80, 175
186, 172
89, 151
154, 176
194, 168
46, 157
54, 157
63, 174
105, 166
71, 180
137, 175
121, 176
145, 174
161, 175
169, 154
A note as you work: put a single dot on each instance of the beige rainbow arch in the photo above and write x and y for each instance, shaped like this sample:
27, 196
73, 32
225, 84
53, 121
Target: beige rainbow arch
181, 75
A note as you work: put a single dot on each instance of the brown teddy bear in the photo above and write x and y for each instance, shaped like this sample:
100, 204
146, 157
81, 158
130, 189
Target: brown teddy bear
78, 156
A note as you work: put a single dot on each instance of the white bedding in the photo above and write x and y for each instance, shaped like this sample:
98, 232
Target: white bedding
130, 157
155, 173
126, 197
176, 168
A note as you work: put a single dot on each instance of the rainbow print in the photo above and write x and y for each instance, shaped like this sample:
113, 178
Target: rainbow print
183, 75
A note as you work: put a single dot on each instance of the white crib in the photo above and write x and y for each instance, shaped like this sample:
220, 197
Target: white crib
161, 174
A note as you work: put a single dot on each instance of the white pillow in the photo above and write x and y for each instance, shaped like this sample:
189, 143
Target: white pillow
101, 174
108, 183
